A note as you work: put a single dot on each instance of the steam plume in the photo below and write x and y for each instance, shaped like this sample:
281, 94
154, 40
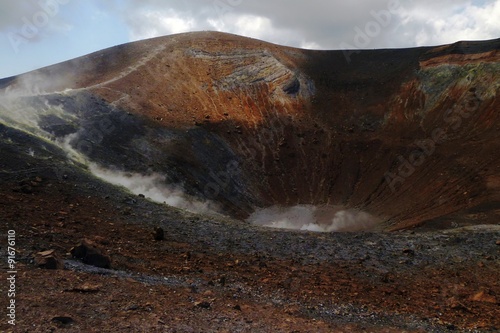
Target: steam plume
312, 218
153, 186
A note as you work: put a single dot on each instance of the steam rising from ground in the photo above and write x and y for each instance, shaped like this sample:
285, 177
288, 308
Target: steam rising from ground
153, 186
16, 109
313, 218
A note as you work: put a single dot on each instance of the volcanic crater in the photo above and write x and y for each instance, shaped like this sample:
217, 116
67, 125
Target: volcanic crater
249, 133
399, 134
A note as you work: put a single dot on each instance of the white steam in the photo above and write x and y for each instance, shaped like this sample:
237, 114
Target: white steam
37, 83
17, 113
17, 108
313, 218
153, 186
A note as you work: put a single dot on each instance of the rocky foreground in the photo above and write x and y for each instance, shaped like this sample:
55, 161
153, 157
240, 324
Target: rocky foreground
220, 275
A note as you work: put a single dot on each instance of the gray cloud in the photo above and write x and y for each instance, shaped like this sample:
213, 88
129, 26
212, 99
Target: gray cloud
11, 12
318, 23
31, 19
315, 23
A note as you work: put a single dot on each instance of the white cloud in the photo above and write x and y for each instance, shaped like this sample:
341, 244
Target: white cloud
155, 23
253, 26
309, 45
320, 24
466, 21
313, 24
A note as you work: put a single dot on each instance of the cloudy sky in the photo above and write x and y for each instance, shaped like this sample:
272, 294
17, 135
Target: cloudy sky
36, 33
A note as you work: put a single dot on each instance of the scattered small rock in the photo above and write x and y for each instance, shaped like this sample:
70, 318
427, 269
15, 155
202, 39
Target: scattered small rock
455, 304
141, 195
65, 320
208, 293
237, 307
26, 189
101, 240
386, 278
409, 252
483, 297
133, 307
497, 242
49, 260
203, 304
85, 288
158, 234
89, 254
222, 280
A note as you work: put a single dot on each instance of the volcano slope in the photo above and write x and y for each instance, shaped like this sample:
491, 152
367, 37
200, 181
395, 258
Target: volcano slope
408, 136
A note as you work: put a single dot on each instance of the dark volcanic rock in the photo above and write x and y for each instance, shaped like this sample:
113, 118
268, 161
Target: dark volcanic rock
89, 254
158, 234
64, 320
